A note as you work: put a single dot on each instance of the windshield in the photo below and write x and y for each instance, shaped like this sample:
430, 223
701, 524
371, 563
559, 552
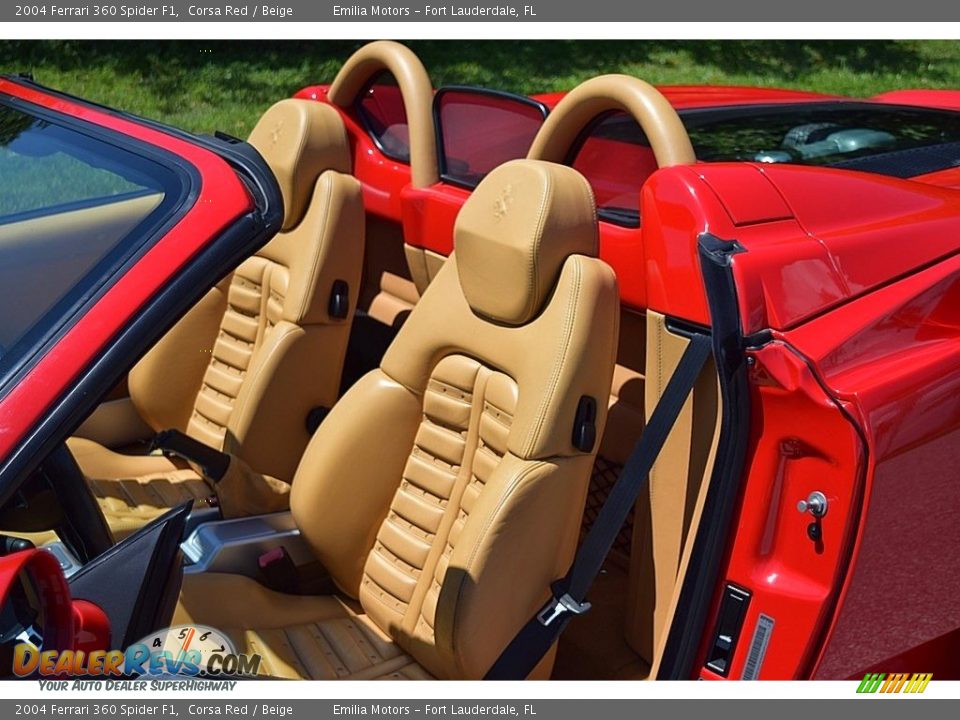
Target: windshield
614, 155
886, 139
71, 207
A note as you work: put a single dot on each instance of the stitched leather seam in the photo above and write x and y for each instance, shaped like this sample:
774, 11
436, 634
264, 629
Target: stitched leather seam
507, 495
209, 421
320, 246
293, 649
387, 554
425, 537
411, 488
534, 273
440, 387
285, 340
559, 359
414, 523
422, 501
334, 660
230, 337
379, 598
454, 432
504, 422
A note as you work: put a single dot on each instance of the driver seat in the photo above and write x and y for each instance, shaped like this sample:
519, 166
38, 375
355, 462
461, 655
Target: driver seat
444, 492
242, 371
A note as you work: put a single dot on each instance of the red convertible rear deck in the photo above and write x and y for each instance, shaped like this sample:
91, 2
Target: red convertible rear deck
816, 245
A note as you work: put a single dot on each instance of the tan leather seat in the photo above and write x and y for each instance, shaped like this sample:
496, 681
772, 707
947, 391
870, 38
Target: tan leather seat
244, 368
443, 493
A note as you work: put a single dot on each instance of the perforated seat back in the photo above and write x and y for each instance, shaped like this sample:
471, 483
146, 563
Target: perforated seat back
445, 490
245, 368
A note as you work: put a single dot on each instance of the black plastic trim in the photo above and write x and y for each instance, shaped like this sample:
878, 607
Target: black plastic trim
727, 629
685, 328
84, 528
758, 339
700, 581
137, 582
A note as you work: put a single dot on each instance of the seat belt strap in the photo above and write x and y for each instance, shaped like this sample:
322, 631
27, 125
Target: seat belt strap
534, 640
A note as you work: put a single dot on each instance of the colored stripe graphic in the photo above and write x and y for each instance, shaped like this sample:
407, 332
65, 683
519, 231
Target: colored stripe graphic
913, 683
870, 683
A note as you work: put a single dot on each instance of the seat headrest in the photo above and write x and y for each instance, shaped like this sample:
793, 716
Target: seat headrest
514, 233
301, 139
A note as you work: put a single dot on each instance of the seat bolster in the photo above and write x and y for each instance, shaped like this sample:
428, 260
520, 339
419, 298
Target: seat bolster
298, 360
268, 426
575, 342
342, 489
226, 600
327, 246
100, 463
165, 382
490, 589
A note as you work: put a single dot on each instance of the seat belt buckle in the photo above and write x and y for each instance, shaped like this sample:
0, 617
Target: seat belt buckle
560, 606
279, 570
211, 463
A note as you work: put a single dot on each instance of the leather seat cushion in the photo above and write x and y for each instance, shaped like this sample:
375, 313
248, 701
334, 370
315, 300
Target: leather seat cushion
130, 503
298, 637
99, 462
148, 485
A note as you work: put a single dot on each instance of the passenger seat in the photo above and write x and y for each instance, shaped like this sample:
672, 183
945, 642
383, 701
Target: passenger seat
251, 369
444, 492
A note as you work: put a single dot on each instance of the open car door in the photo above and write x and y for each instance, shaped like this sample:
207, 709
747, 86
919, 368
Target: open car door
111, 227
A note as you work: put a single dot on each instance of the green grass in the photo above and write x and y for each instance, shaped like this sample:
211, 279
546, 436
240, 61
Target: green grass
202, 86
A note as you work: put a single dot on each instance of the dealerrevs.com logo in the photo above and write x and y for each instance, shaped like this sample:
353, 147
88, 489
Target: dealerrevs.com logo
191, 651
911, 683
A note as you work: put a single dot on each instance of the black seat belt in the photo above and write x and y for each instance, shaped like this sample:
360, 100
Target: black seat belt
523, 653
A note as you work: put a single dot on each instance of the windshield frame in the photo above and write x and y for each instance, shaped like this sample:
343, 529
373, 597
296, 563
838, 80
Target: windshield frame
179, 197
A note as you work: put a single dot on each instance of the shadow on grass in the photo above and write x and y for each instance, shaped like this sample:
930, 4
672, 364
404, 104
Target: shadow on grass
784, 60
225, 85
170, 69
165, 65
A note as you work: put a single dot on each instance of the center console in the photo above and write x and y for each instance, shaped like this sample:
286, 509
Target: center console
234, 546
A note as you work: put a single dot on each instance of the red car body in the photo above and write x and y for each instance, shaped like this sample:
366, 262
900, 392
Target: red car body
852, 388
847, 286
